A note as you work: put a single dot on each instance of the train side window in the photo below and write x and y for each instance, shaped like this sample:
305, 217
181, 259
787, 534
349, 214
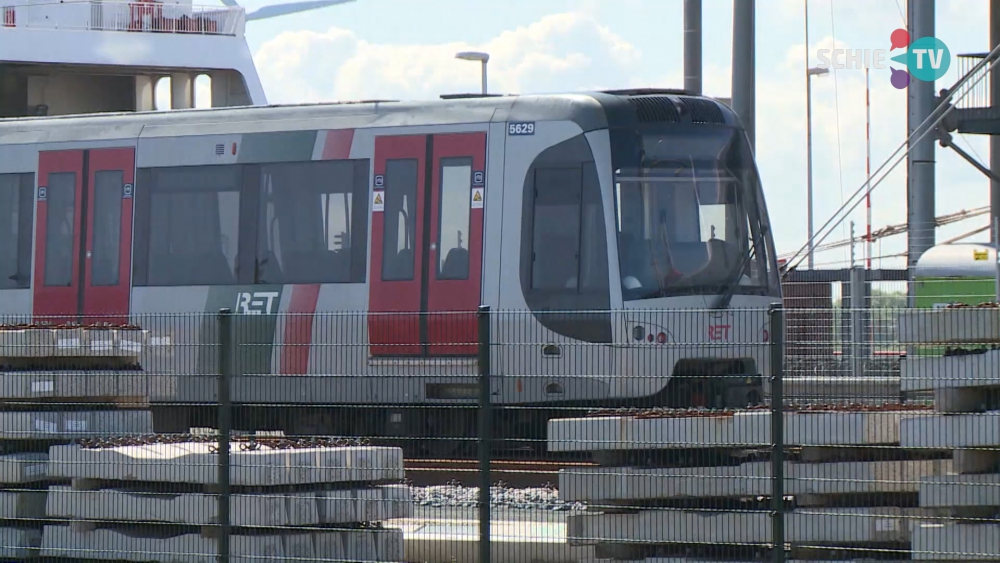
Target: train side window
310, 225
16, 221
106, 258
555, 241
59, 229
453, 220
564, 247
400, 230
191, 218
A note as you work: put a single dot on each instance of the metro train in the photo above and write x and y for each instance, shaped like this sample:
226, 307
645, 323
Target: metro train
355, 241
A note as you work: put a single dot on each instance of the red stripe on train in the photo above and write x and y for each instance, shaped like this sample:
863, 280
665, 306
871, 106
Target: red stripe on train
302, 305
298, 329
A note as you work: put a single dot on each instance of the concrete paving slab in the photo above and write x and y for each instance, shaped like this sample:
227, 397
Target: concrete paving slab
949, 326
20, 505
831, 428
105, 544
194, 463
75, 342
70, 425
512, 541
960, 490
950, 541
596, 484
73, 385
19, 543
21, 468
264, 509
743, 429
629, 433
949, 372
846, 389
951, 431
828, 526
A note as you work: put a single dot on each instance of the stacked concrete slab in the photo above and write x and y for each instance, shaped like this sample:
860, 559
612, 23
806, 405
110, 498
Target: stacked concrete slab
158, 502
58, 384
966, 387
699, 484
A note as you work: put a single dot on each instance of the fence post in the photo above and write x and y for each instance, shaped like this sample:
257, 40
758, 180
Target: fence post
776, 316
485, 432
225, 428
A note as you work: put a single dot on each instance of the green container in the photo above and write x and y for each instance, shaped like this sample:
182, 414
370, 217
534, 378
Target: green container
954, 273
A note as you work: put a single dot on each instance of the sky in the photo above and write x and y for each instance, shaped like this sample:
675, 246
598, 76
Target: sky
404, 49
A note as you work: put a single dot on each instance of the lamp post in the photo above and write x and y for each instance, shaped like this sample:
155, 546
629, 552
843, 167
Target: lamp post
810, 72
476, 56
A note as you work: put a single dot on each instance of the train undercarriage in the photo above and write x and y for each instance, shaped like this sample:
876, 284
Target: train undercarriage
452, 431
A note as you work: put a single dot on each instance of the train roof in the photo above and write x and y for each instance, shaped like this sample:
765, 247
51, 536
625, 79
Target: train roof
588, 109
957, 260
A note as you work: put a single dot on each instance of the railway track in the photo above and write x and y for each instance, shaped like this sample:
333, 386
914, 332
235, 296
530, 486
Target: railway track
520, 474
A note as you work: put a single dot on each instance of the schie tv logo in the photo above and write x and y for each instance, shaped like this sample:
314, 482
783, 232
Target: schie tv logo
926, 59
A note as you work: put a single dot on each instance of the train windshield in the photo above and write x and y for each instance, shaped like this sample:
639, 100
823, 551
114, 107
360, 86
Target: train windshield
691, 219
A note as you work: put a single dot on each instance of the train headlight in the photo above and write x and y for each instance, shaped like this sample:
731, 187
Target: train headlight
638, 333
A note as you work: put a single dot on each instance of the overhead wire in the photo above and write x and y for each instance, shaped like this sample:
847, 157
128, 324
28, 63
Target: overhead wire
901, 228
923, 129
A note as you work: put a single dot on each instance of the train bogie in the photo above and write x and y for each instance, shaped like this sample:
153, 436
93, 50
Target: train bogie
620, 239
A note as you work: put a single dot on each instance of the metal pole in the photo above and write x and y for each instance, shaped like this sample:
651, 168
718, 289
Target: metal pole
225, 428
996, 251
484, 78
744, 66
868, 171
809, 149
692, 47
777, 323
485, 433
920, 105
994, 102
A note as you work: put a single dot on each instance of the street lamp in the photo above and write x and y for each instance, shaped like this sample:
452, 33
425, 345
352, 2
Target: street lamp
810, 72
476, 56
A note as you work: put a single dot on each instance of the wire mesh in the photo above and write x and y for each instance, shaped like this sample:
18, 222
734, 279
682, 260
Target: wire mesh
358, 437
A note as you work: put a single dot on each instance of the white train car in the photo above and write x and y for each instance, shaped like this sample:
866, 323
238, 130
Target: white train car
355, 242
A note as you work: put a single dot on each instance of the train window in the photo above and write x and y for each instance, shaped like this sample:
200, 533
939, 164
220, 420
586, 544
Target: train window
453, 227
193, 225
105, 261
556, 238
399, 231
59, 229
564, 248
310, 229
16, 220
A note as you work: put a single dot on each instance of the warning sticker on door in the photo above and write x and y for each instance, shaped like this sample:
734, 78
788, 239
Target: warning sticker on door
378, 204
477, 198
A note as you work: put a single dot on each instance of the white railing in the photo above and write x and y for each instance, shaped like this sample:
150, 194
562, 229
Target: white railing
118, 15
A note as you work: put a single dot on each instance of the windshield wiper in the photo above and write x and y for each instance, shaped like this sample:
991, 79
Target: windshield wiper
725, 298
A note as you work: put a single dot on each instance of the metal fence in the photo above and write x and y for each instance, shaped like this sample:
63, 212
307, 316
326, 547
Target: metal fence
618, 436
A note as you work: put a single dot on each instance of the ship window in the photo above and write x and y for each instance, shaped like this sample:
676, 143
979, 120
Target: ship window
16, 220
564, 253
191, 218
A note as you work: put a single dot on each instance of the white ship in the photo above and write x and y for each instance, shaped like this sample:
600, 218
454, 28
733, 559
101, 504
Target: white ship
60, 57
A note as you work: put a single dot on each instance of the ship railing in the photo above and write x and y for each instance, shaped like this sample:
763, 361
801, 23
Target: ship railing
119, 15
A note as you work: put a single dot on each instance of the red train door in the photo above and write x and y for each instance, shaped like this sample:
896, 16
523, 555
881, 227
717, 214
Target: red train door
84, 235
427, 244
